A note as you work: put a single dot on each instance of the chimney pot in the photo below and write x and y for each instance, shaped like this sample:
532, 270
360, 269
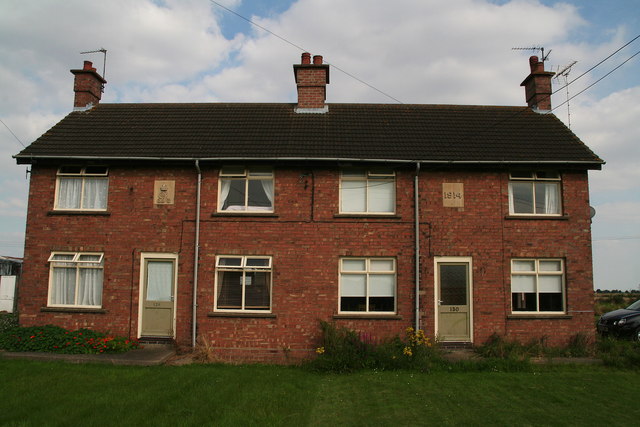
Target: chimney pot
88, 66
306, 58
317, 60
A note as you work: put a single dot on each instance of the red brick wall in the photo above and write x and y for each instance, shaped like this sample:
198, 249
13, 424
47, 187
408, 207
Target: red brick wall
306, 240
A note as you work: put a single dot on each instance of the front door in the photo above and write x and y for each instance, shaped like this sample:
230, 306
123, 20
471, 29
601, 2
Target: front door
453, 306
158, 279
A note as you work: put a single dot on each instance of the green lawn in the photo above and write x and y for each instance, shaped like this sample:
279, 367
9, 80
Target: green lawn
56, 393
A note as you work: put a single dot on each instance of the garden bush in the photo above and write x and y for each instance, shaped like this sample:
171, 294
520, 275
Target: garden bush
345, 350
54, 339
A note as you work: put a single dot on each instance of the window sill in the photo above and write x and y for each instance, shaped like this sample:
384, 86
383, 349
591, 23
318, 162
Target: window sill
539, 316
241, 315
245, 214
368, 215
81, 213
368, 316
539, 217
73, 310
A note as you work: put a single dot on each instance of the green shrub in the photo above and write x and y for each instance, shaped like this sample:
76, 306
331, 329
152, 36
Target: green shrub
344, 350
498, 347
54, 339
7, 321
619, 353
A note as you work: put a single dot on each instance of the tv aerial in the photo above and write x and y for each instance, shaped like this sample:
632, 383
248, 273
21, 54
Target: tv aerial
104, 61
540, 48
565, 74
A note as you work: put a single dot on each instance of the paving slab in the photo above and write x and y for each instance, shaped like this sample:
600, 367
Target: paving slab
147, 355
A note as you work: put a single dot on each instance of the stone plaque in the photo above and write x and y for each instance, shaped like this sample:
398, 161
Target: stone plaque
453, 194
164, 192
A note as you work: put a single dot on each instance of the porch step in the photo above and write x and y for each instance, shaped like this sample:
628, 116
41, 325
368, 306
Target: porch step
455, 345
157, 340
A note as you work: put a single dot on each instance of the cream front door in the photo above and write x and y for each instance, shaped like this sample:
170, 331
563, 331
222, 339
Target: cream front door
453, 304
158, 302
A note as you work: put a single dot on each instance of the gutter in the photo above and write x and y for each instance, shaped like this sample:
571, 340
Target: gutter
196, 256
416, 198
323, 159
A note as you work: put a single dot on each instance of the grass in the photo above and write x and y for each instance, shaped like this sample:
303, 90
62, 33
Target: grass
57, 393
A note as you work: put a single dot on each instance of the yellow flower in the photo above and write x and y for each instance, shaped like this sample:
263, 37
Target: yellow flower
320, 350
407, 351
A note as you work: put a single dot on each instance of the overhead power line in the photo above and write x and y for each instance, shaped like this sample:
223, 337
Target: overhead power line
304, 50
14, 135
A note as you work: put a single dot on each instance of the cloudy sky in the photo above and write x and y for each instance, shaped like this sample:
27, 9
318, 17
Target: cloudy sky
412, 51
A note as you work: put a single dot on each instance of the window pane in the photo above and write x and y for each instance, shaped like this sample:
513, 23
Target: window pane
63, 286
353, 285
235, 262
89, 258
95, 170
550, 302
90, 287
257, 290
523, 265
260, 171
453, 284
258, 197
547, 175
257, 262
353, 172
353, 304
353, 197
234, 200
521, 301
95, 193
229, 289
70, 170
520, 174
382, 304
522, 193
523, 283
550, 266
354, 265
382, 285
69, 192
61, 257
381, 195
550, 284
381, 265
159, 280
232, 170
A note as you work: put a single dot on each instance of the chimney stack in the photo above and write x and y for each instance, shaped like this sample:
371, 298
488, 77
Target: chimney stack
311, 80
537, 86
87, 85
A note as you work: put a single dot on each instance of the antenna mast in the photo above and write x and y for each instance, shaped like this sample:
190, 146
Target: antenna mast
565, 73
540, 48
104, 61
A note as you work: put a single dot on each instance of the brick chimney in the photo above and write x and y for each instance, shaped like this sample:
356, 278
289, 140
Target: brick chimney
537, 86
312, 80
87, 85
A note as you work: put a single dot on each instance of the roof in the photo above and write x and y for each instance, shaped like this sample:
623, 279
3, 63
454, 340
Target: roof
397, 132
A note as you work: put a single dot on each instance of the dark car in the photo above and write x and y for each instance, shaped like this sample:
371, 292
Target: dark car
624, 322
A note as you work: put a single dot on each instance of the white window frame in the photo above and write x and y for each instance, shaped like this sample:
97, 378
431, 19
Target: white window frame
244, 268
75, 262
83, 176
535, 178
369, 178
246, 174
537, 274
368, 272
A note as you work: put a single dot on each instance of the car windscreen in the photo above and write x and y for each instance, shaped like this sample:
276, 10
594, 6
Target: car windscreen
634, 306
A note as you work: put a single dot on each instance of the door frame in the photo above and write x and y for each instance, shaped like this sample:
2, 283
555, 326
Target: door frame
436, 291
164, 256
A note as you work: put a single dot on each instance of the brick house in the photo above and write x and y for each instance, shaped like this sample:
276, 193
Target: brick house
247, 223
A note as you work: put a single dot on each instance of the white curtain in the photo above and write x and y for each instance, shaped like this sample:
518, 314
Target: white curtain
95, 193
551, 198
90, 287
353, 197
225, 186
159, 280
63, 284
267, 186
69, 191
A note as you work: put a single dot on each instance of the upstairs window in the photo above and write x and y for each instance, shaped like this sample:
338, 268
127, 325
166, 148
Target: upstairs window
243, 283
246, 189
82, 188
368, 285
537, 285
370, 191
534, 193
75, 279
